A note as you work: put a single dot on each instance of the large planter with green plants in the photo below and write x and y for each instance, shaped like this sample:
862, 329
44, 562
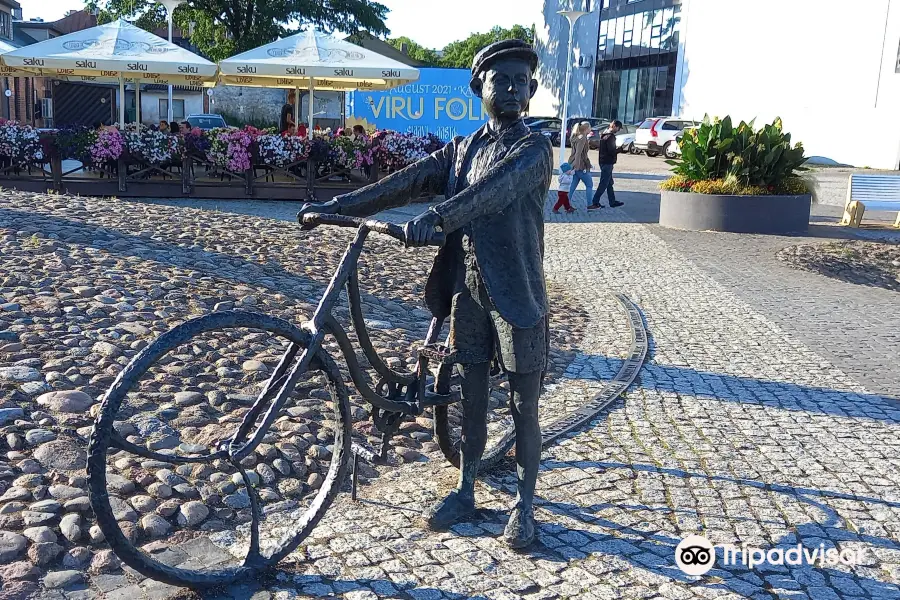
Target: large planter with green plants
737, 179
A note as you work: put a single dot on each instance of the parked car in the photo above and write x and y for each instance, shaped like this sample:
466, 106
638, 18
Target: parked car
625, 139
530, 120
206, 122
598, 126
656, 135
549, 128
676, 149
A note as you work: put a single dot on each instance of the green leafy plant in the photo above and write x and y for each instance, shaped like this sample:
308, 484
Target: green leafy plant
742, 159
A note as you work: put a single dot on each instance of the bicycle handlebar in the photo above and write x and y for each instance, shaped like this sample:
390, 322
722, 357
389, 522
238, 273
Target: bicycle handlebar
313, 220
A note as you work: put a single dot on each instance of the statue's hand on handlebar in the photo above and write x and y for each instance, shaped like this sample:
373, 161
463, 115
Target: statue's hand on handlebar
332, 207
421, 230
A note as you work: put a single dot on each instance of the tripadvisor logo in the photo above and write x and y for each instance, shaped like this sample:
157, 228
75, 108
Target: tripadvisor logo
696, 555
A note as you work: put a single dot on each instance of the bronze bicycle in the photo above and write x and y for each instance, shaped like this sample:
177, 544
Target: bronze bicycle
396, 396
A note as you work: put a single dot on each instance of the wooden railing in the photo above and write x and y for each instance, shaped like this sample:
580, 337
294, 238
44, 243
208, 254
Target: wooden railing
193, 177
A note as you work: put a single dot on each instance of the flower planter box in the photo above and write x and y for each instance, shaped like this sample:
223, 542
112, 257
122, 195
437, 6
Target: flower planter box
736, 214
139, 163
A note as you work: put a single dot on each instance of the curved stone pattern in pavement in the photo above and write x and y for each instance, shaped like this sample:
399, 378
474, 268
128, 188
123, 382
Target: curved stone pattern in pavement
734, 429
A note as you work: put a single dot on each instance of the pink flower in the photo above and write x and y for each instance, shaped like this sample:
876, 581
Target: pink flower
108, 147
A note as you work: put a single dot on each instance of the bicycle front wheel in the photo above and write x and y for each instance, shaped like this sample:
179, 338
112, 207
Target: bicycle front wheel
161, 482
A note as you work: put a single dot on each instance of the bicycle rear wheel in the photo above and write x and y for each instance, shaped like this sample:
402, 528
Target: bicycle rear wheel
195, 464
501, 430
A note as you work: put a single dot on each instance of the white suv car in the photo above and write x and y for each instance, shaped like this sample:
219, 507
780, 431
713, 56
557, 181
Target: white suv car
657, 135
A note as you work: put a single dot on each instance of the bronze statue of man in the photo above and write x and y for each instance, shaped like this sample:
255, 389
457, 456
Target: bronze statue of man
489, 277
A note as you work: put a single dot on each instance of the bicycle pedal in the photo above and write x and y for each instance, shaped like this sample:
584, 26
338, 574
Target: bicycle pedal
364, 451
438, 353
432, 398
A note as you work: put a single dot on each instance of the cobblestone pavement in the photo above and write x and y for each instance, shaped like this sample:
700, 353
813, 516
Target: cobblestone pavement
852, 326
739, 427
736, 429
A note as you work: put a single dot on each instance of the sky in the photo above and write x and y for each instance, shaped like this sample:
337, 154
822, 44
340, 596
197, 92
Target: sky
432, 23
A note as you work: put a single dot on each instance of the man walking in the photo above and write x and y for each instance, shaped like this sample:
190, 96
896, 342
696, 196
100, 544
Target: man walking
609, 153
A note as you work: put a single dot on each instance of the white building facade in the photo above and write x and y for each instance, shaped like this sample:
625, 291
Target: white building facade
829, 73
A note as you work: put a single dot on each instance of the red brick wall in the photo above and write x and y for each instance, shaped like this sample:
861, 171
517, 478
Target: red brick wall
21, 103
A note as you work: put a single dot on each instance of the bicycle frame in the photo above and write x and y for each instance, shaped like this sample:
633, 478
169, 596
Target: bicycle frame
396, 401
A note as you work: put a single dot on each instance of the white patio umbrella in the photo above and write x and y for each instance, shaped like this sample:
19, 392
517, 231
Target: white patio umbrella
317, 61
116, 51
9, 71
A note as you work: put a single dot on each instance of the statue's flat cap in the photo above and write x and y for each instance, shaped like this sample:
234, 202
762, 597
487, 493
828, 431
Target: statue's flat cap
504, 49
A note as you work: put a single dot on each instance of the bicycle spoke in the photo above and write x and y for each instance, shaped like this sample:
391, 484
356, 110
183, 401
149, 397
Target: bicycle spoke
274, 383
117, 441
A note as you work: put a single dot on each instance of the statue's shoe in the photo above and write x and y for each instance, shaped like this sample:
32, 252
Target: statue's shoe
452, 509
519, 532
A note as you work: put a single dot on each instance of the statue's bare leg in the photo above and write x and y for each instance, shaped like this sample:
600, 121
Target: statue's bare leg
524, 389
476, 389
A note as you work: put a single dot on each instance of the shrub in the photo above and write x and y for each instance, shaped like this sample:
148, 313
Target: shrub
792, 186
277, 150
151, 145
396, 151
109, 146
348, 153
75, 143
677, 183
738, 160
20, 144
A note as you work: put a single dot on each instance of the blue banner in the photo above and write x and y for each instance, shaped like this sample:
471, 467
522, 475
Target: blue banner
440, 102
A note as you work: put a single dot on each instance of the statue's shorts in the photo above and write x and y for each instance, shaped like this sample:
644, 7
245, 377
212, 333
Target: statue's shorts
478, 333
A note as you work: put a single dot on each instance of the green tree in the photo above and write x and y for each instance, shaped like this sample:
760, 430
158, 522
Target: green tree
427, 56
223, 28
460, 54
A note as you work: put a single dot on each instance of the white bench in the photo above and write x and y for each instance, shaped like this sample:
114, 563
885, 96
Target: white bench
875, 192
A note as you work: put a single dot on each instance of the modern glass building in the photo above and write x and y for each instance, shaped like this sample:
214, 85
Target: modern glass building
633, 59
637, 53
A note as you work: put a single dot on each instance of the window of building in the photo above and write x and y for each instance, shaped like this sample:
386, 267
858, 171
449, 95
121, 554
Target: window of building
601, 39
611, 38
6, 25
656, 18
636, 60
620, 37
667, 39
662, 78
629, 34
633, 1
177, 108
637, 38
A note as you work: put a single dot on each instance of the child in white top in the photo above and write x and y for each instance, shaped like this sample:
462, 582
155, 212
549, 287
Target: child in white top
565, 181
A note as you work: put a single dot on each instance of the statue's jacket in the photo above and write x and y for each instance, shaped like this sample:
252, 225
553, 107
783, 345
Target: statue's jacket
497, 200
